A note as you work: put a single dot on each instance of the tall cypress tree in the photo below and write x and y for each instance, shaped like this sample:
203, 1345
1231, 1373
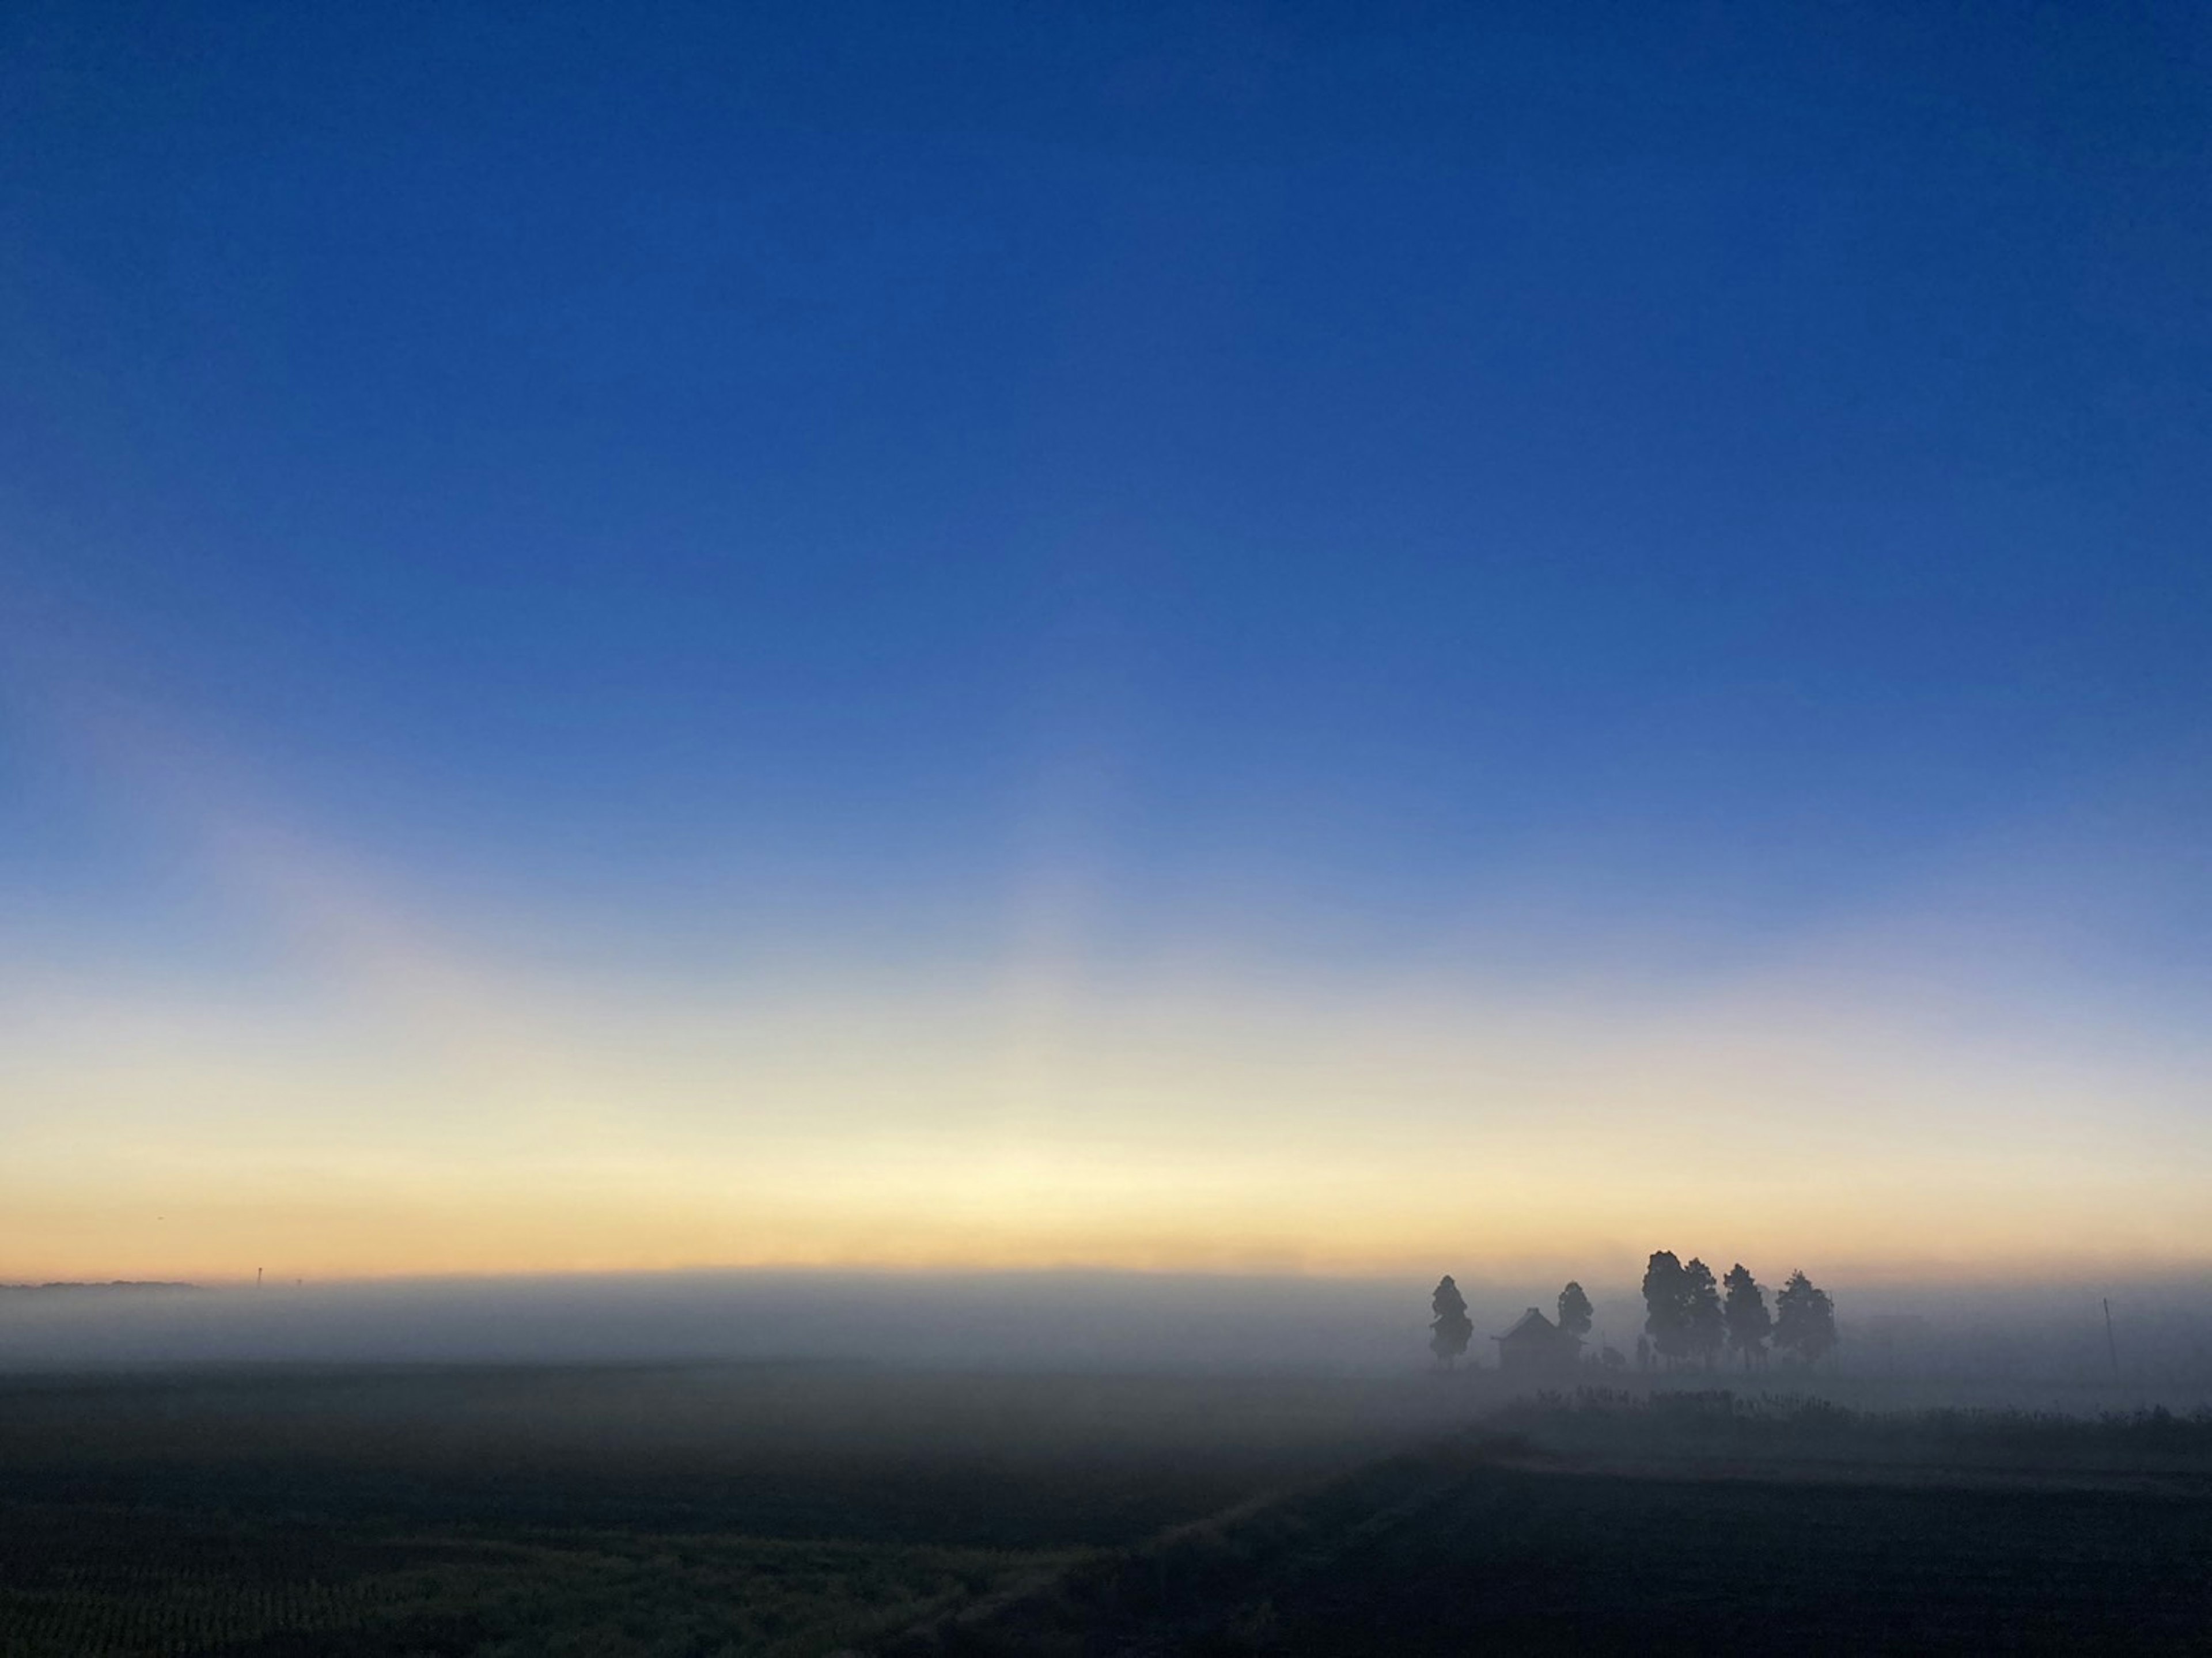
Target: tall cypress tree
1748, 1321
1666, 1306
1804, 1319
1705, 1327
1574, 1310
1449, 1332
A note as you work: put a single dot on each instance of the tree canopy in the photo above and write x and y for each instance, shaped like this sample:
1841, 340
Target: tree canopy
1667, 1305
1450, 1330
1805, 1319
1574, 1310
1748, 1320
1706, 1326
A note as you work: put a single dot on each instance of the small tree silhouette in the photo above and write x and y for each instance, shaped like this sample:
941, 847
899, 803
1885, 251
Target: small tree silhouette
1707, 1329
1666, 1306
1450, 1331
1574, 1310
1748, 1320
1805, 1319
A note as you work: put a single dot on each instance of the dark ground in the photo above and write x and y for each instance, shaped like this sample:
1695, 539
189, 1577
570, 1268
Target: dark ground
805, 1509
1477, 1548
679, 1511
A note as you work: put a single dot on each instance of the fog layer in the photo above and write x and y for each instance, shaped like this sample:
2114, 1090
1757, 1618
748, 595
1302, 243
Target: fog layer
2161, 1333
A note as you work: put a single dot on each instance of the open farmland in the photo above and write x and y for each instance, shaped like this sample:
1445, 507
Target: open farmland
1476, 1547
808, 1509
702, 1509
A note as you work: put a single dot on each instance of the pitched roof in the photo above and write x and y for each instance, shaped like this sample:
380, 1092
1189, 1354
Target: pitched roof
1531, 1323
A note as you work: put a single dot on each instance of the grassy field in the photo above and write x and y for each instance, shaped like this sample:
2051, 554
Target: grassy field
621, 1510
811, 1510
1693, 1524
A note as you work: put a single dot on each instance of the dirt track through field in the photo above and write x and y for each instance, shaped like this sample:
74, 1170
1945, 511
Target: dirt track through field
1487, 1546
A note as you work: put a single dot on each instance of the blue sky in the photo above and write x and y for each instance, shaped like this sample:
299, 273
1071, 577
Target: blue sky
1364, 492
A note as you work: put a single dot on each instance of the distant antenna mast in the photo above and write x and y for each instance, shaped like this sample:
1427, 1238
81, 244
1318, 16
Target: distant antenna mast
257, 1278
2112, 1347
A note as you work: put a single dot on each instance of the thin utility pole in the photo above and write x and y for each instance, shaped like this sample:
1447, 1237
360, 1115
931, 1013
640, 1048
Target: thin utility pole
2112, 1347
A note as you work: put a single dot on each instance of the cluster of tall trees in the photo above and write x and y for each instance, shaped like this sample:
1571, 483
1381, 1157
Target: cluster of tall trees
1687, 1320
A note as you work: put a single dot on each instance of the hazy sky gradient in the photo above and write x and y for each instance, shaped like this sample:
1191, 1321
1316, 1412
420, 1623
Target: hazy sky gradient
1231, 638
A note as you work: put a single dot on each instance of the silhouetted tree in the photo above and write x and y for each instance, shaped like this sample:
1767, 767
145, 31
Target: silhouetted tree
1805, 1319
1644, 1352
1665, 1305
1574, 1310
1707, 1329
1748, 1321
1450, 1330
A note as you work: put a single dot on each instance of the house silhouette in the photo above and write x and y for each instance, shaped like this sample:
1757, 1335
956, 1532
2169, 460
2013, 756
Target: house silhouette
1535, 1346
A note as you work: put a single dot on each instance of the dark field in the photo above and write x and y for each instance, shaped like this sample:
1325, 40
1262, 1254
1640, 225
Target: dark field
1454, 1552
703, 1510
809, 1508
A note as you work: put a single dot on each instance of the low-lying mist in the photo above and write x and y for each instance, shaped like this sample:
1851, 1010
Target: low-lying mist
1062, 1320
2033, 1338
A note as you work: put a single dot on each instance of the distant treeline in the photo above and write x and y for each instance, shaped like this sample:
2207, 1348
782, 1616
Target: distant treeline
1686, 1321
89, 1288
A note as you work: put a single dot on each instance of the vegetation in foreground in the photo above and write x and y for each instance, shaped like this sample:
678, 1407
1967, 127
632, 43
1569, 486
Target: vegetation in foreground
1843, 1531
624, 1510
804, 1510
92, 1579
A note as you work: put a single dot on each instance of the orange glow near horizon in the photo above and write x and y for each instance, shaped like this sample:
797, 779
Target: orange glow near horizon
1320, 1132
396, 1101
